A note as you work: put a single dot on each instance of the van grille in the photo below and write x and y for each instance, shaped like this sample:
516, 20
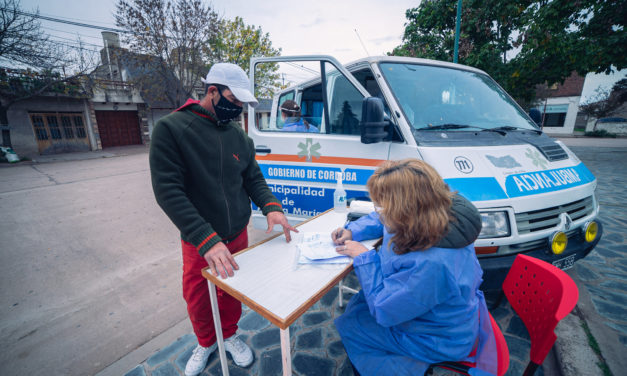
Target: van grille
543, 219
533, 245
553, 152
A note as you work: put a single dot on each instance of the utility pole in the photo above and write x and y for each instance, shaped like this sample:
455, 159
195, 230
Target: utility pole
457, 26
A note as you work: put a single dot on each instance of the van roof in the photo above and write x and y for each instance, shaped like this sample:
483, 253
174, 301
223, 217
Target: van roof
411, 60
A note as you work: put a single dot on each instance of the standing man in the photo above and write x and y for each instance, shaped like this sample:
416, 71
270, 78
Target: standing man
204, 175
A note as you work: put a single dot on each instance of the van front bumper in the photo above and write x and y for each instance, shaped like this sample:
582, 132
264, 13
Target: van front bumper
495, 268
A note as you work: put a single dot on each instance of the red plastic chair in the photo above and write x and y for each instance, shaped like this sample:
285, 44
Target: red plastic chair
463, 368
541, 295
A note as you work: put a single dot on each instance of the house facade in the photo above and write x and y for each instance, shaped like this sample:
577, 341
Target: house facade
559, 105
52, 124
109, 111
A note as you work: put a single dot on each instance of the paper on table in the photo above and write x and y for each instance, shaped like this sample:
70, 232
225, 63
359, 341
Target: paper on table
317, 247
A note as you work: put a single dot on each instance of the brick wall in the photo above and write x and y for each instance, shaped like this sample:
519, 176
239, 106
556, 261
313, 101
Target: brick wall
571, 87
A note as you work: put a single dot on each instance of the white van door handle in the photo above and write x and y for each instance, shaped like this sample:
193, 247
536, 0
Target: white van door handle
263, 149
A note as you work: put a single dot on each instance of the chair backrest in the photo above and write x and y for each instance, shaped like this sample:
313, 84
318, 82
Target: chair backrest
502, 350
541, 295
463, 368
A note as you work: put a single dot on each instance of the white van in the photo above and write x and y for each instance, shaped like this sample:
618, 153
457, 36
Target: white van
534, 195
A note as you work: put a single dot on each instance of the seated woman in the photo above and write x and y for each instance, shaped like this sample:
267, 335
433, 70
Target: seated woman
293, 121
420, 301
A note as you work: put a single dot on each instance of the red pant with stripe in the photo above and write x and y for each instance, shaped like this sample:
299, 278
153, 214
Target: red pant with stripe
196, 294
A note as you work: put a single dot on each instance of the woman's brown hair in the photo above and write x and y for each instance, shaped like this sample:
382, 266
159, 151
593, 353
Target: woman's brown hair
415, 201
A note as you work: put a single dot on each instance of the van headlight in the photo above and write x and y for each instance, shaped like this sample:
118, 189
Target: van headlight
494, 225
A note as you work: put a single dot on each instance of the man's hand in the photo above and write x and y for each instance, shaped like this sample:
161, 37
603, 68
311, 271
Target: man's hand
221, 260
341, 235
278, 218
351, 248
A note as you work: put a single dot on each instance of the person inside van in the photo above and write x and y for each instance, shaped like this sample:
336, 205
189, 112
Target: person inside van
292, 119
420, 301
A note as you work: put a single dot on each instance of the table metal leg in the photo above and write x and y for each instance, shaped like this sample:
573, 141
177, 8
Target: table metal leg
343, 288
286, 355
216, 321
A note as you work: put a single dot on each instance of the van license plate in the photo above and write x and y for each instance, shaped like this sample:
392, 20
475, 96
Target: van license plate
565, 263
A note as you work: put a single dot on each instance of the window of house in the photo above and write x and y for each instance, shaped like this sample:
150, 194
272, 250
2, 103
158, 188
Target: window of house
40, 128
68, 130
58, 126
556, 119
79, 126
53, 126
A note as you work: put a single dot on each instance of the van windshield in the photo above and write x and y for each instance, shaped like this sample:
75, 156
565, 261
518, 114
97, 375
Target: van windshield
440, 98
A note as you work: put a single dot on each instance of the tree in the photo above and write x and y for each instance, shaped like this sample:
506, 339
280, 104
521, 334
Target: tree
168, 37
34, 65
522, 43
237, 43
605, 102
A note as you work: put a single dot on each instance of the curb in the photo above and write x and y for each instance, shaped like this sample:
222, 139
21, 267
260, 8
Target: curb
130, 361
573, 352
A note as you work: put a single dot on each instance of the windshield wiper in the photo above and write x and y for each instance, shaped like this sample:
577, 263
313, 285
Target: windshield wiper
510, 128
462, 126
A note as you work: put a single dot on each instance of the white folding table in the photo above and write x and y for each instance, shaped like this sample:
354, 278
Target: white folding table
273, 284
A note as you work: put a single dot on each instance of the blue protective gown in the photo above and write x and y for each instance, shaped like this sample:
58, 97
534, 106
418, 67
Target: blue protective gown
415, 309
293, 125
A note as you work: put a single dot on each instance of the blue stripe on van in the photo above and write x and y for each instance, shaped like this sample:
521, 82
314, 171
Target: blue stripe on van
477, 189
533, 183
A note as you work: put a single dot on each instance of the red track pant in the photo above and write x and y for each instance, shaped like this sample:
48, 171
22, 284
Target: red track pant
196, 294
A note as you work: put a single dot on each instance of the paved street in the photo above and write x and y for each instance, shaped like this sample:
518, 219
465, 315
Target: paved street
602, 276
88, 263
90, 274
90, 266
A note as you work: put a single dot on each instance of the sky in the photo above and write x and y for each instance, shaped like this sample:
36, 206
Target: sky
331, 27
297, 27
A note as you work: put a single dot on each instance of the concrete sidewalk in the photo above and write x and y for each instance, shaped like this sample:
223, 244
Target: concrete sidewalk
118, 151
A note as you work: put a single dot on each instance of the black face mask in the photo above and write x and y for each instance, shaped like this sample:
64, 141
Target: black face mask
225, 110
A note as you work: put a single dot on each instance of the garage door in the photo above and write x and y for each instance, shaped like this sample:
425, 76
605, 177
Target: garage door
118, 128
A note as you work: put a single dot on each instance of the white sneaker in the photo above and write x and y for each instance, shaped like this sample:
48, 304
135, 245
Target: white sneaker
241, 353
198, 360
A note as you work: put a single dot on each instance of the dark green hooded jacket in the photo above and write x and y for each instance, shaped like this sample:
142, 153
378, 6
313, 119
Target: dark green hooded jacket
204, 175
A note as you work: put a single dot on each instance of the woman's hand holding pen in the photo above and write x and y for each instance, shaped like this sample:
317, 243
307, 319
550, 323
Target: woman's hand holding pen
340, 235
342, 238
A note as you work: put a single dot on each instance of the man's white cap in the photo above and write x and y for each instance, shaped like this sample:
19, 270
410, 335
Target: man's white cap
233, 77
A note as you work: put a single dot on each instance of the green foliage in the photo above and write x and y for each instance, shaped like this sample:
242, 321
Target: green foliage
521, 43
601, 133
237, 43
17, 84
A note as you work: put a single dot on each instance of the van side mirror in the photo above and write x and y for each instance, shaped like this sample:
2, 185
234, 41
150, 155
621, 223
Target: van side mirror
536, 116
372, 121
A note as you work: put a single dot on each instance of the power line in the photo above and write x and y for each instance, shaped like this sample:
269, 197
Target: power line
76, 42
66, 21
71, 32
73, 46
302, 67
76, 19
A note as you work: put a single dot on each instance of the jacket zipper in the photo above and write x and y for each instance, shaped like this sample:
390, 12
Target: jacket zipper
228, 210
